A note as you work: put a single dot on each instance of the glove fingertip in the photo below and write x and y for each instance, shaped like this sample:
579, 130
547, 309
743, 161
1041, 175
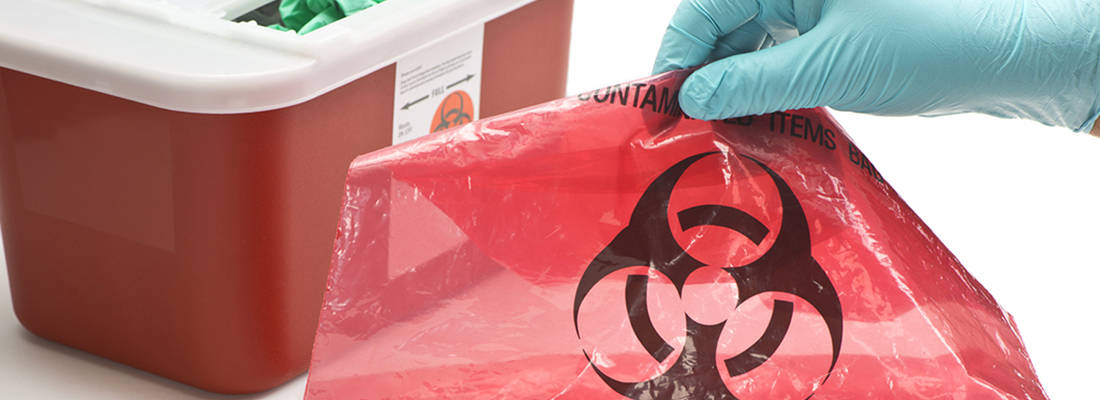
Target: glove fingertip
661, 66
671, 59
697, 97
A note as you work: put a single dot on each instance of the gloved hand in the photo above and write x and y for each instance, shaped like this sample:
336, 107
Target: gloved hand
1034, 59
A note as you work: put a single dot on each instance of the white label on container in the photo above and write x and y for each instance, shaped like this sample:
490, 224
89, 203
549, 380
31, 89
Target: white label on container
439, 86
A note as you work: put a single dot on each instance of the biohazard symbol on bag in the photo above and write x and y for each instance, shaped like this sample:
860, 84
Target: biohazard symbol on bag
456, 109
787, 267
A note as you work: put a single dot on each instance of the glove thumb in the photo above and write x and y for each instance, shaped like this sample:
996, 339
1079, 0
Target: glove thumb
791, 75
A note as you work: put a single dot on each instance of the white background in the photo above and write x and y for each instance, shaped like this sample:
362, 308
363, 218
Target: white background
1015, 201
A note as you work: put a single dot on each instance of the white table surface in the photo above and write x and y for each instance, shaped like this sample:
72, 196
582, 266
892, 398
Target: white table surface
1015, 201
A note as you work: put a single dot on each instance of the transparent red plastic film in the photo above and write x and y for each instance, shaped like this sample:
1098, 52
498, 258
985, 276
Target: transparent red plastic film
607, 246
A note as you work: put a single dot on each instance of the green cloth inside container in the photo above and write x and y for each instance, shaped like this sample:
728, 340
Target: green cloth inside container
304, 16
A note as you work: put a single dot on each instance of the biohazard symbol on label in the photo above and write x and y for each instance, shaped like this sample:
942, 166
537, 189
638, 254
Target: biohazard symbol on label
787, 267
456, 109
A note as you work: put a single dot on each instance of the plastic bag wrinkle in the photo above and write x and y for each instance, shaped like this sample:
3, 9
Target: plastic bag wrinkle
588, 249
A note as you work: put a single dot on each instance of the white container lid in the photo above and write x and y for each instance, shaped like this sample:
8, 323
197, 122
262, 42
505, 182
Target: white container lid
183, 55
227, 9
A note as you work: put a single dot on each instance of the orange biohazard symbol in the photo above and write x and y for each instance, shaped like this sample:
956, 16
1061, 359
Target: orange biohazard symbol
456, 109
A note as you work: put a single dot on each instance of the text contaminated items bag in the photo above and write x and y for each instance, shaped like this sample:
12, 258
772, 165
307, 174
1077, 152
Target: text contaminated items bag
606, 246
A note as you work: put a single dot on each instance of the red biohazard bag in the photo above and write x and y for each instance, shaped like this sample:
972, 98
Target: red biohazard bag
606, 246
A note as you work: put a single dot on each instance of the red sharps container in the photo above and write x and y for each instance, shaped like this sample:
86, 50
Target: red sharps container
171, 179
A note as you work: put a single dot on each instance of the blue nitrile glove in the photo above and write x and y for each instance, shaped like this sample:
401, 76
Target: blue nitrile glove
1033, 59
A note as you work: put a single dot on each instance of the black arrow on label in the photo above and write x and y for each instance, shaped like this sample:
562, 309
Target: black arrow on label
460, 81
413, 103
